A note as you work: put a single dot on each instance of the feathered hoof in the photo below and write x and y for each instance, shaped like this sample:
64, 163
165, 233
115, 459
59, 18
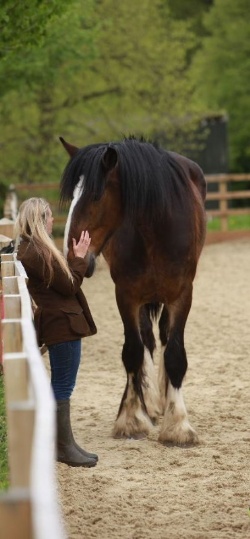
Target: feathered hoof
135, 428
179, 436
124, 436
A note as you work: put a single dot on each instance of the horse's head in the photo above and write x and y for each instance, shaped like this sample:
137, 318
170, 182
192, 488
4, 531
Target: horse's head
91, 180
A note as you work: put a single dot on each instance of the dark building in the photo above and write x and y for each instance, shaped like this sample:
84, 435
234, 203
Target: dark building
212, 150
213, 142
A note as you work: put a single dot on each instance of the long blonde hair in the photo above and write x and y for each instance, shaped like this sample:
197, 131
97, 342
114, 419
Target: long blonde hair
31, 225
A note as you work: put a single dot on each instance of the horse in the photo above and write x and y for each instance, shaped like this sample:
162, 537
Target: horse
144, 208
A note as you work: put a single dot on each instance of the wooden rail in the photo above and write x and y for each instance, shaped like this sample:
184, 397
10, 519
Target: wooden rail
29, 509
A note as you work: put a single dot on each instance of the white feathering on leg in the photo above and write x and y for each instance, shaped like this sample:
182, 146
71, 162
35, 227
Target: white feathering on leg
132, 421
176, 427
150, 387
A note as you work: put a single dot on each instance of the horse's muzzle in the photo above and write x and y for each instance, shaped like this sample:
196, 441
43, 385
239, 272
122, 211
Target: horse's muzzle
91, 265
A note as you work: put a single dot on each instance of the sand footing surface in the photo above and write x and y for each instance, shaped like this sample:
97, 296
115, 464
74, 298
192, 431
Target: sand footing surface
142, 489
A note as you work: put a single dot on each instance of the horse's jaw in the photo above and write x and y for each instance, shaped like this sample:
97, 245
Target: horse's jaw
103, 246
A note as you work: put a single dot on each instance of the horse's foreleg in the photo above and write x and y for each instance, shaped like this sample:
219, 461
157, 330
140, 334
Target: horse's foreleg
132, 420
162, 373
176, 427
150, 385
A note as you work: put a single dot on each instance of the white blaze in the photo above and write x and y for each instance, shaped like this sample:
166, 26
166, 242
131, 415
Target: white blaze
76, 196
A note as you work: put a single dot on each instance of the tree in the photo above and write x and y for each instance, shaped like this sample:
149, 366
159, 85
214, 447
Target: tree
23, 24
221, 70
192, 11
23, 28
111, 69
39, 88
139, 78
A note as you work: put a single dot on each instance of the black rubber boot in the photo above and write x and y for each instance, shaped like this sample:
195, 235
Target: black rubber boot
86, 453
67, 450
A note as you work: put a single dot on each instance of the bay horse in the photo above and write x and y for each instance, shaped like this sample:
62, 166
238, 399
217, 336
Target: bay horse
144, 209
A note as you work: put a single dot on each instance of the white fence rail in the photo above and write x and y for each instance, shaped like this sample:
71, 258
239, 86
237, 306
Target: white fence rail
29, 509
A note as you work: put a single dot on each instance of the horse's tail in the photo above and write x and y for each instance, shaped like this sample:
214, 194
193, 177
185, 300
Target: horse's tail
153, 310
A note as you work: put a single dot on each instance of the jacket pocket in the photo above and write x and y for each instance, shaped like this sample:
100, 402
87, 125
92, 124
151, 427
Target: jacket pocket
77, 322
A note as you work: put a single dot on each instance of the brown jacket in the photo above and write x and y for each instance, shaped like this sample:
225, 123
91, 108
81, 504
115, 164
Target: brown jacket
63, 313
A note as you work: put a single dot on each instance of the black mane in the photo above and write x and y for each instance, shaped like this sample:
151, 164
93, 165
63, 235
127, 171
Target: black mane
152, 181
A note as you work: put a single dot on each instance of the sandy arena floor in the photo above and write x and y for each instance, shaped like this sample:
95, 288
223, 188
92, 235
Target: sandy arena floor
141, 489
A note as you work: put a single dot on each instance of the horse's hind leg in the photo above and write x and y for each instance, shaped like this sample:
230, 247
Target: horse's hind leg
132, 420
176, 427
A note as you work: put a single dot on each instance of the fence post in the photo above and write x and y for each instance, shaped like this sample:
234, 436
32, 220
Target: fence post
223, 205
7, 227
11, 204
15, 515
1, 338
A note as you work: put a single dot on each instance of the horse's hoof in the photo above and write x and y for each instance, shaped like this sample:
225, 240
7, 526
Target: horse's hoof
123, 436
179, 444
119, 436
181, 439
139, 436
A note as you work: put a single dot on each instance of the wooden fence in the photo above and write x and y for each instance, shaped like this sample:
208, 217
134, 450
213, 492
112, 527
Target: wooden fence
222, 194
29, 509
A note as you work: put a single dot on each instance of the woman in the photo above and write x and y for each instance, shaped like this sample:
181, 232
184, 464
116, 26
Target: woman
62, 316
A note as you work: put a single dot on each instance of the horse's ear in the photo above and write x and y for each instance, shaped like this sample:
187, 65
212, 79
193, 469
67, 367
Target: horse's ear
68, 147
109, 158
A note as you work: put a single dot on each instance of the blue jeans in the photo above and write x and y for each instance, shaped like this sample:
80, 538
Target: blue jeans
65, 359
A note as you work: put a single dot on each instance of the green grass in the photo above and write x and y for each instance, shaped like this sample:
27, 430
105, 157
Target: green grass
4, 471
237, 222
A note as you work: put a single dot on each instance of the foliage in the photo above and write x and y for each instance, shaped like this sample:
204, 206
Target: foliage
102, 72
193, 11
3, 440
23, 24
23, 28
116, 68
33, 116
140, 70
221, 70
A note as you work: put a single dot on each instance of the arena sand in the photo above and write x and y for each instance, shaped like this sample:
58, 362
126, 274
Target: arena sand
141, 489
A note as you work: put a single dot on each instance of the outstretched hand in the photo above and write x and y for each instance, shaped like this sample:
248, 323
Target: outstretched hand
81, 248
